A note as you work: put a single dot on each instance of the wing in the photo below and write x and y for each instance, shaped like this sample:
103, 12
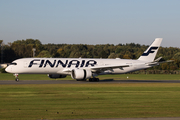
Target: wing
107, 67
98, 69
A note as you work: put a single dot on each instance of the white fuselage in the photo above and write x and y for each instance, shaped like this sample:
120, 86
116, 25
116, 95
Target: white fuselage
62, 65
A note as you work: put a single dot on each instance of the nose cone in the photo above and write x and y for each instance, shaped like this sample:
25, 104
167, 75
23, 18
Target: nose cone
8, 69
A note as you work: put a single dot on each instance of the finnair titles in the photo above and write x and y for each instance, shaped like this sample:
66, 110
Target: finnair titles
66, 63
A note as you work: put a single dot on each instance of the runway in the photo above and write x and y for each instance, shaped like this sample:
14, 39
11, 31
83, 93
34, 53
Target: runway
9, 82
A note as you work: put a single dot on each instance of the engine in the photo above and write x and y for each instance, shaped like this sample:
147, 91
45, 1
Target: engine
56, 76
81, 74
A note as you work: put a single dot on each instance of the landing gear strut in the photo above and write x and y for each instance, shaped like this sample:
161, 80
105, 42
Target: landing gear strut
93, 79
16, 77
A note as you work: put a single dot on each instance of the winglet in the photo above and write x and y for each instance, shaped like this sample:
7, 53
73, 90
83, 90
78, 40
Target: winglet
151, 52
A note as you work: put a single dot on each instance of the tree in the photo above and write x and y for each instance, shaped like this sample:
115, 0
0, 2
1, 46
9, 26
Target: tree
1, 41
112, 55
44, 54
177, 56
23, 48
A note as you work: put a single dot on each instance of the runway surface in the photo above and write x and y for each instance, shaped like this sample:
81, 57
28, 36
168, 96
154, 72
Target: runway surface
83, 82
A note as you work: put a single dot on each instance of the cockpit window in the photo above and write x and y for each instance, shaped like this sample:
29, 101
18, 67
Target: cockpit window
13, 63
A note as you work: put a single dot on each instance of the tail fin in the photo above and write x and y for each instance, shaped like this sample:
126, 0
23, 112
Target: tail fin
151, 52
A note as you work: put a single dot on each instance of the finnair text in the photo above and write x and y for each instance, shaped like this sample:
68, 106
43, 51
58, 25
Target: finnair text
64, 64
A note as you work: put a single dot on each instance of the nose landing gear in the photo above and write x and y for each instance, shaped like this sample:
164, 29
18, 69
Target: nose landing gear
16, 77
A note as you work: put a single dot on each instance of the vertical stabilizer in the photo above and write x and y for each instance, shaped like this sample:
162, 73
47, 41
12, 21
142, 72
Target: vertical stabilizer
150, 54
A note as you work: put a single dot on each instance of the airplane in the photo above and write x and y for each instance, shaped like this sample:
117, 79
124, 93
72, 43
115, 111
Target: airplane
82, 69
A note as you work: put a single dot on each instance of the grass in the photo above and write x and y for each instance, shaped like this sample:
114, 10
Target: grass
80, 101
7, 76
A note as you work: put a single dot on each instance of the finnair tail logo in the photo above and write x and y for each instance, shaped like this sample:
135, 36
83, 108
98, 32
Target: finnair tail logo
151, 50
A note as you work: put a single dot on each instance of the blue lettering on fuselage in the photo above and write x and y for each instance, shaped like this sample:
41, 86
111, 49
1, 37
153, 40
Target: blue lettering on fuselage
56, 63
63, 64
73, 62
90, 62
32, 62
50, 64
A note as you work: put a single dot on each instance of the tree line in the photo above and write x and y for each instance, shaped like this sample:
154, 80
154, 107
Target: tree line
23, 49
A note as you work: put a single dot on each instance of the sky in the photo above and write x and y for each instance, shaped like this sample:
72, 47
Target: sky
91, 21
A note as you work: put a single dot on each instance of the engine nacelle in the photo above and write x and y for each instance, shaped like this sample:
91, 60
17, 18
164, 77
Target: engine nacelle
81, 74
56, 76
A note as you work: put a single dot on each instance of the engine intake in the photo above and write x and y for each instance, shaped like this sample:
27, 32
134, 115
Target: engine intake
81, 74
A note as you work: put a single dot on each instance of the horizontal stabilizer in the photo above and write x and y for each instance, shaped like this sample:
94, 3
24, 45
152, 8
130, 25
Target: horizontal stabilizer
157, 60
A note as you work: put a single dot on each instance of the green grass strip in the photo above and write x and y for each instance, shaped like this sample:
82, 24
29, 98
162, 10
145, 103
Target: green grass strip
80, 101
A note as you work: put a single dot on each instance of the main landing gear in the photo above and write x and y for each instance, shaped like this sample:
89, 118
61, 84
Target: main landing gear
16, 77
90, 80
93, 79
